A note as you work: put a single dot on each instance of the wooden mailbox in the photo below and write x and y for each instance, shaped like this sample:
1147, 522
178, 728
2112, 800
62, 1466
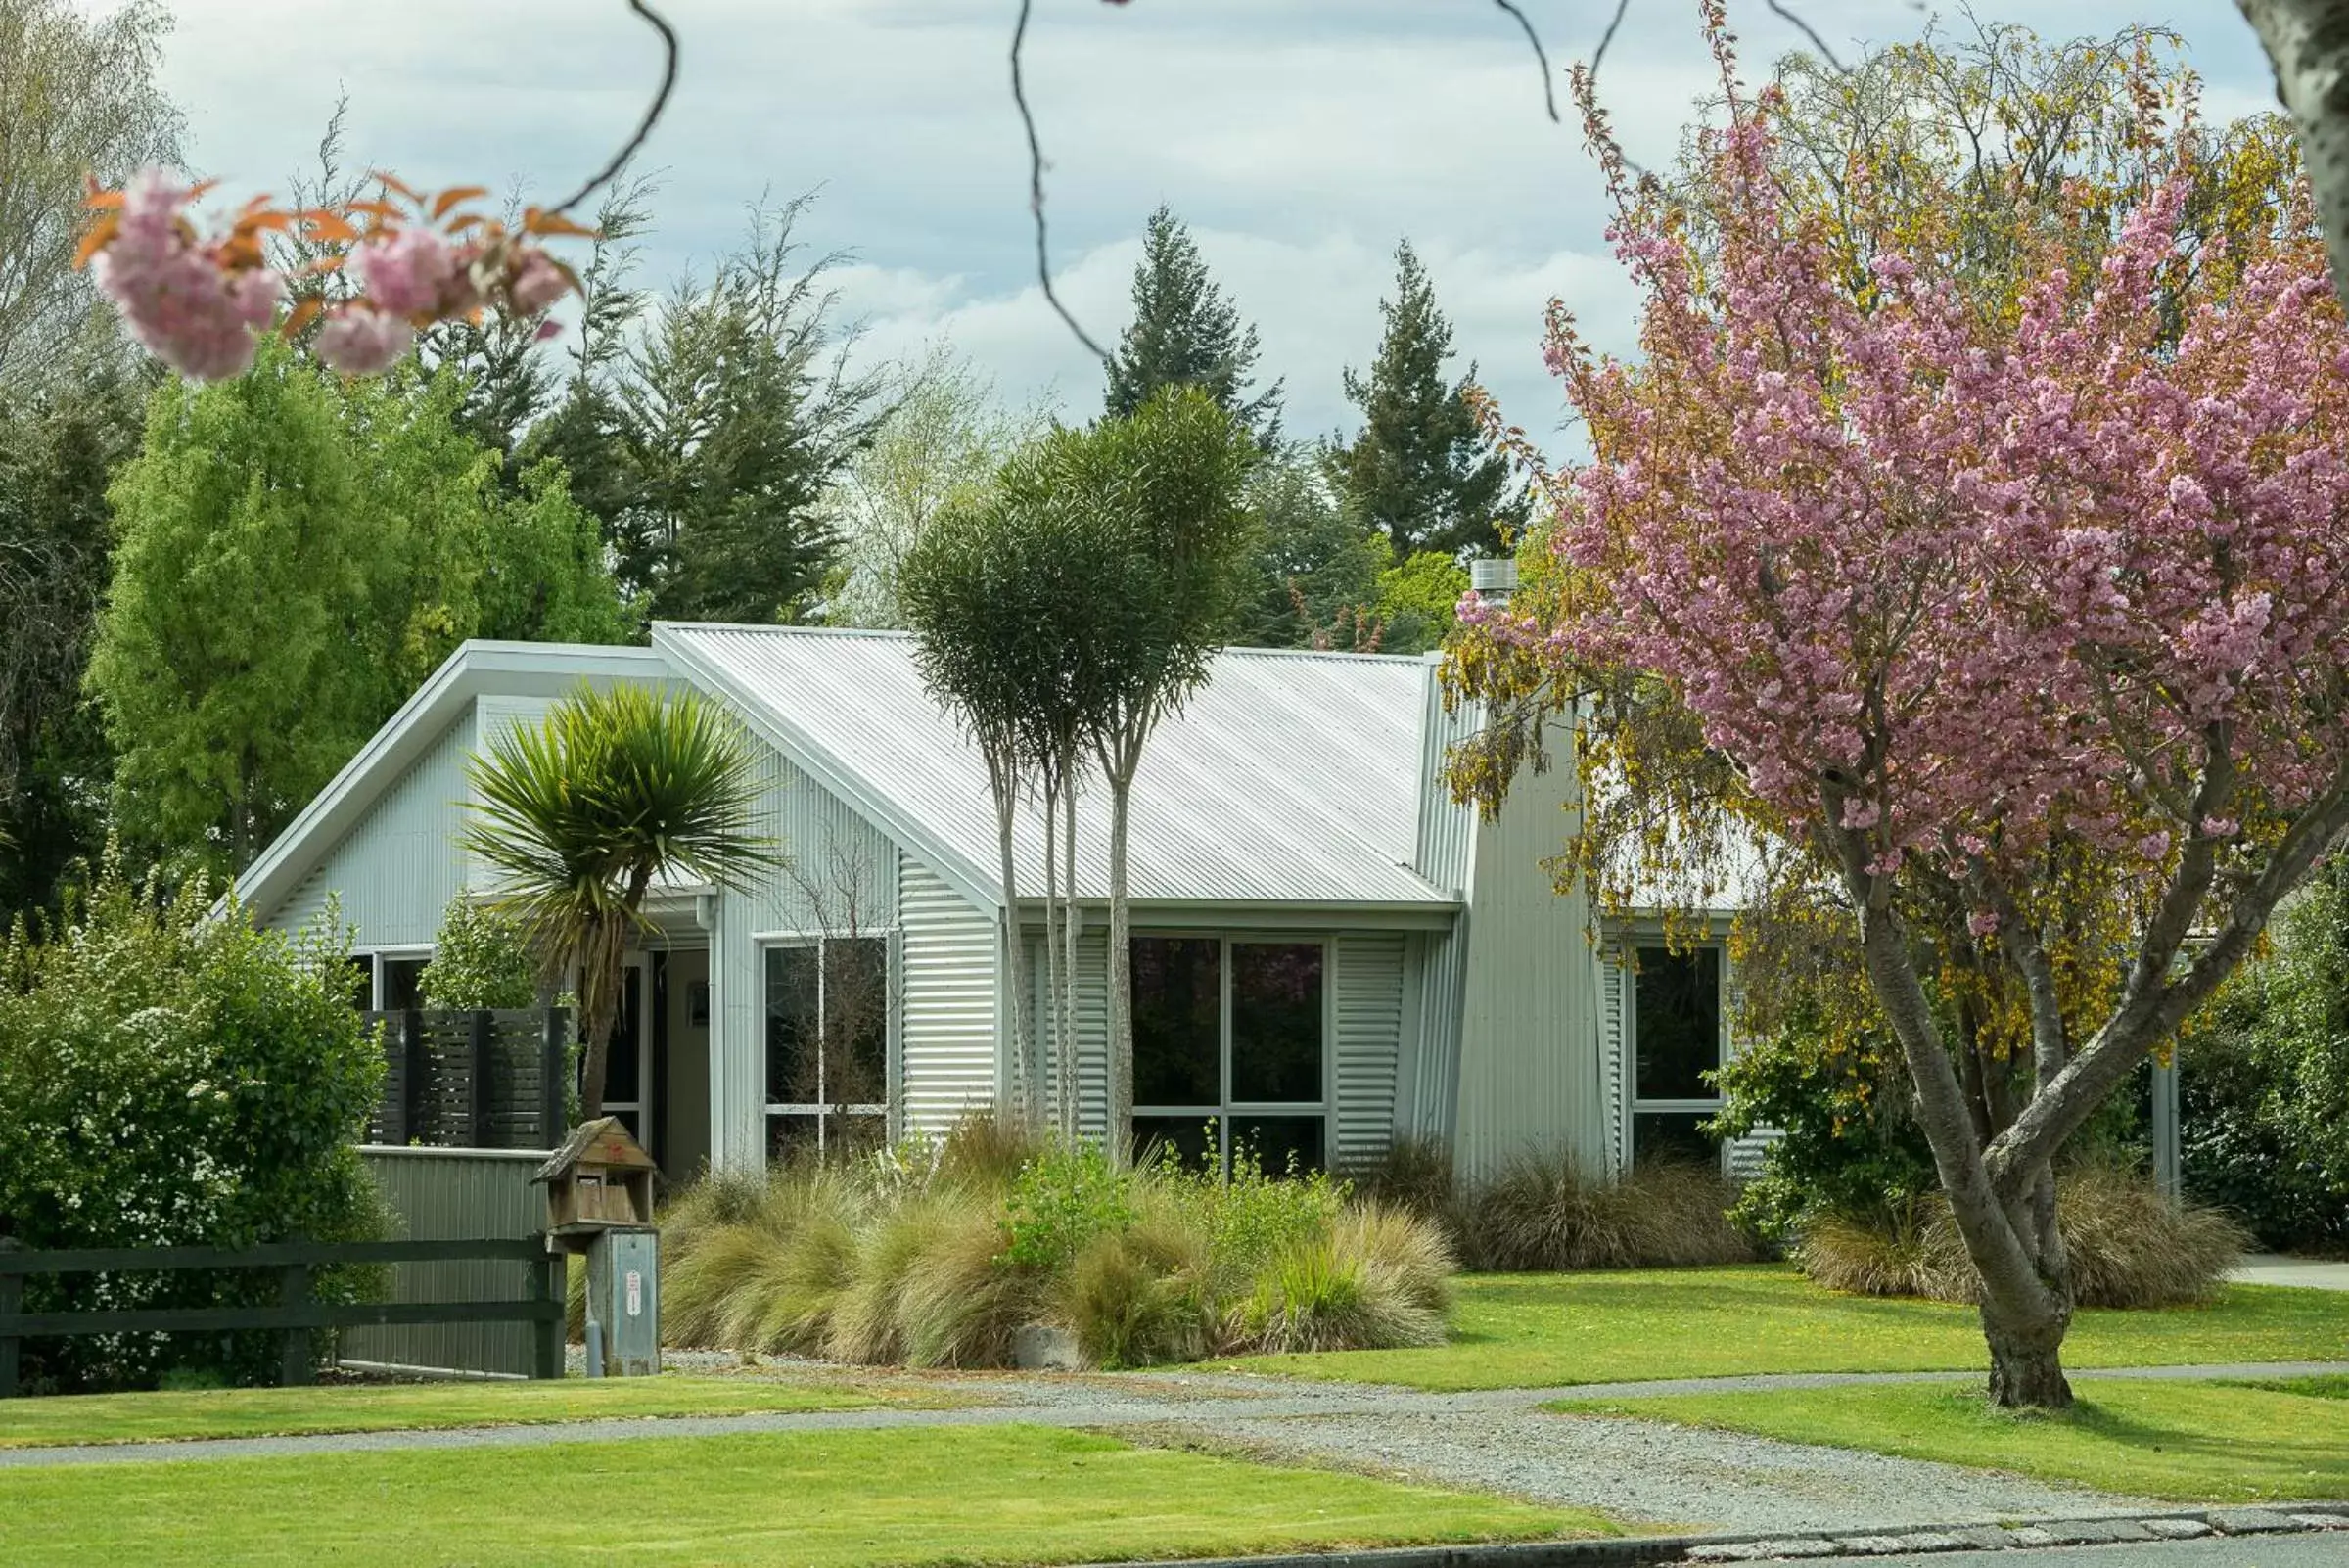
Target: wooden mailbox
600, 1178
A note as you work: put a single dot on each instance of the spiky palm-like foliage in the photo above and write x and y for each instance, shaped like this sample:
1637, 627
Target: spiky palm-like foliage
579, 814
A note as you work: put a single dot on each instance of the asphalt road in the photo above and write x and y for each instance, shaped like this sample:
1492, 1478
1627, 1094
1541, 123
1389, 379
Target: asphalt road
2328, 1549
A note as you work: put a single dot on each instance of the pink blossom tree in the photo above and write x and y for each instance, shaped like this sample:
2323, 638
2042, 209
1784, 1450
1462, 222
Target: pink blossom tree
1948, 591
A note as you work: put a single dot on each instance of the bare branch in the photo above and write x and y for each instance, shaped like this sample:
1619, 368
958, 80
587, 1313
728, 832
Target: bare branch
644, 127
1550, 91
1606, 40
1035, 188
1777, 8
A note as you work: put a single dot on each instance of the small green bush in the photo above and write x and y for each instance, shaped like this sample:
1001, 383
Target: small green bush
2129, 1246
480, 960
1144, 1296
1061, 1199
172, 1077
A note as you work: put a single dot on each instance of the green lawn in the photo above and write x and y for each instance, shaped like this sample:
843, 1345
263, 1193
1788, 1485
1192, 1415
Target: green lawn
383, 1408
2196, 1441
1544, 1330
960, 1496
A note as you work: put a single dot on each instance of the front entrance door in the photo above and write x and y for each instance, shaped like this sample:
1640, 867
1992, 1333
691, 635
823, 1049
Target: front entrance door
629, 1069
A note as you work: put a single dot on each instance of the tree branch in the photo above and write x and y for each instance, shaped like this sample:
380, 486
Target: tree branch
1035, 188
644, 127
1550, 92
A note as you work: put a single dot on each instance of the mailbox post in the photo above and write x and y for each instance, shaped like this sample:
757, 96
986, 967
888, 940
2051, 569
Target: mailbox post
599, 1201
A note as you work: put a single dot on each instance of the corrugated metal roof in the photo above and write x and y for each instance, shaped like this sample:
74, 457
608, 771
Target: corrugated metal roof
1289, 778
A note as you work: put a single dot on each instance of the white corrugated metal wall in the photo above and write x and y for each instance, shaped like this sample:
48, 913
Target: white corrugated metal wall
397, 868
948, 1057
1369, 1013
839, 851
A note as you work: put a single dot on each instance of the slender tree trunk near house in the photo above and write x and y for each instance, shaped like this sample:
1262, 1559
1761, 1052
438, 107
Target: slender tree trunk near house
1064, 1074
601, 968
1021, 1066
1069, 918
2308, 44
1121, 971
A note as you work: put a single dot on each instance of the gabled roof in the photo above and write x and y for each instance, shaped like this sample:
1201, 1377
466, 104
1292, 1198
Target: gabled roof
476, 669
1289, 779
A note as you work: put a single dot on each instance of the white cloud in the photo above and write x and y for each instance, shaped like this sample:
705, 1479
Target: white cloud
1299, 138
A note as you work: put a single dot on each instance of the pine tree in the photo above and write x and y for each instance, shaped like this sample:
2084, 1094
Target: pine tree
1186, 332
1420, 471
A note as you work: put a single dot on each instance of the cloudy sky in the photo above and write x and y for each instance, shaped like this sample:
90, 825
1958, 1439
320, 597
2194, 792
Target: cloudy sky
1299, 138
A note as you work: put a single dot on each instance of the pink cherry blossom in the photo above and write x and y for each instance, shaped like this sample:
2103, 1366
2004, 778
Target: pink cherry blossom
361, 342
537, 282
180, 301
409, 272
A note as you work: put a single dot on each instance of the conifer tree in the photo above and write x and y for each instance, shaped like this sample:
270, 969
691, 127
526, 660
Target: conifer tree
1420, 471
1185, 332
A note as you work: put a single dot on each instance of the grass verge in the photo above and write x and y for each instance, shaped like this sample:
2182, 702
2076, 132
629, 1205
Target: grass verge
1544, 1330
831, 1499
2189, 1441
235, 1412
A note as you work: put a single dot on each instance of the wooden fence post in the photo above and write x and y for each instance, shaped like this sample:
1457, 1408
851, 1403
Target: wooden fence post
296, 1368
482, 1102
554, 1068
11, 1297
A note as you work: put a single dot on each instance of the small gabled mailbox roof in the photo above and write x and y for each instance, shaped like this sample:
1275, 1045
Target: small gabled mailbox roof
603, 1143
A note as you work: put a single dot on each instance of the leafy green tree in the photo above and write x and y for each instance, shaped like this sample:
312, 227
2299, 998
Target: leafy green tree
172, 1078
480, 959
296, 556
1316, 567
1416, 600
577, 815
1420, 470
1167, 494
80, 99
1185, 333
57, 441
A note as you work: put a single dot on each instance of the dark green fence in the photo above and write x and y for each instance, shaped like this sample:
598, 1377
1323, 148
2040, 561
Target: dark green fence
295, 1315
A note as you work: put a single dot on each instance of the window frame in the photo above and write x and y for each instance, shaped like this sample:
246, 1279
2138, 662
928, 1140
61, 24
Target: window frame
1226, 1110
1636, 1105
377, 958
823, 1112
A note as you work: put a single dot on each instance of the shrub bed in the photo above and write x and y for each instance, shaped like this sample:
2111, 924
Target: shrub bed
1545, 1212
936, 1256
2129, 1246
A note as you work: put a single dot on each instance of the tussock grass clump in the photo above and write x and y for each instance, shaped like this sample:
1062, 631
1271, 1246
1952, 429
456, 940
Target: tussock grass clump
936, 1256
1545, 1212
2129, 1246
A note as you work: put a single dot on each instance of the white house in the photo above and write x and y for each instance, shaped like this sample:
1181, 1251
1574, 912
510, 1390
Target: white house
1329, 952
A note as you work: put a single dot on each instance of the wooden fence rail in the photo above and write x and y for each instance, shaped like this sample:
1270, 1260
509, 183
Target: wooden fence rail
296, 1314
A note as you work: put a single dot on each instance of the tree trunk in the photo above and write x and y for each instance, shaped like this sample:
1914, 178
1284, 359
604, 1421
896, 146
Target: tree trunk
1064, 1071
1069, 918
2308, 45
2026, 1366
1022, 1070
1120, 979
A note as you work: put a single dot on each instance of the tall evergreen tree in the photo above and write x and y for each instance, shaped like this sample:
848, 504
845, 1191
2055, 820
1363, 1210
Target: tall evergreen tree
1185, 332
1420, 471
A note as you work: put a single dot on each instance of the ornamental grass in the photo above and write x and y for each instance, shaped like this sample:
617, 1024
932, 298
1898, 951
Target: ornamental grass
936, 1256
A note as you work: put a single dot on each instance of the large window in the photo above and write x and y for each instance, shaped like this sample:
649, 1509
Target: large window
827, 1045
1675, 1028
1230, 1051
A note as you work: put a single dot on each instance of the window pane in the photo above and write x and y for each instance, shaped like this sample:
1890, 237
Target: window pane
1275, 1021
1177, 1020
1278, 1144
1673, 1136
791, 1026
1191, 1138
1679, 1020
790, 1137
857, 1021
627, 1037
362, 981
403, 984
